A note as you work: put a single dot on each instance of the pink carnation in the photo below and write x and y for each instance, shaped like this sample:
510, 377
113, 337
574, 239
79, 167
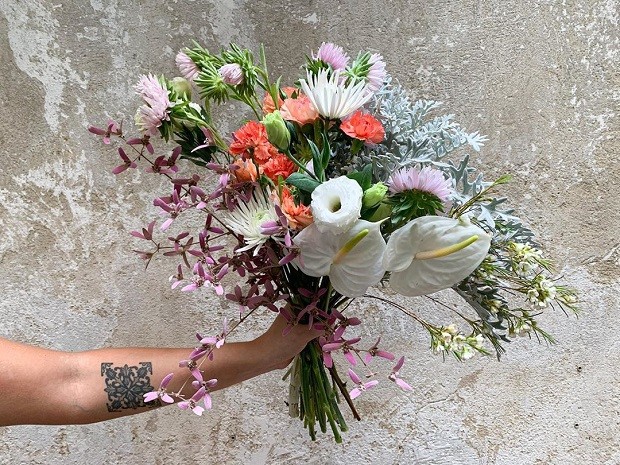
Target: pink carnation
333, 55
426, 180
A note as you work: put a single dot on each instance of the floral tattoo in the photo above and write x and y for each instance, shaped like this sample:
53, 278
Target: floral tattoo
126, 386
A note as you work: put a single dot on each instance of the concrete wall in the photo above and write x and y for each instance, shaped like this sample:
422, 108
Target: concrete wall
541, 78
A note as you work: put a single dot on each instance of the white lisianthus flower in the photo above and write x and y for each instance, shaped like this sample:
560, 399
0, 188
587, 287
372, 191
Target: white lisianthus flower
336, 204
331, 98
351, 259
432, 253
248, 217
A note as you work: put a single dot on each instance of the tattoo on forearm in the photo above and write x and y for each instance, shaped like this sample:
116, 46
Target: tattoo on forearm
126, 386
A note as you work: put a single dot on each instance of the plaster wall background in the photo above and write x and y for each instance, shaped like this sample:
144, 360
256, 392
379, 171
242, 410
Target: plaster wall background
541, 78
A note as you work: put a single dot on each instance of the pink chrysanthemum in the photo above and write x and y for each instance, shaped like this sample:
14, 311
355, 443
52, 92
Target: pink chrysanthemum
426, 180
150, 116
333, 55
376, 73
189, 69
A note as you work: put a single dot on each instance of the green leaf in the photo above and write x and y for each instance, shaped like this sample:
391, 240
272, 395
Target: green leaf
363, 178
317, 159
302, 182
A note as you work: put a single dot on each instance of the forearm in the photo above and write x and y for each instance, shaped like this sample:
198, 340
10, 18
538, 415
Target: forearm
114, 381
39, 386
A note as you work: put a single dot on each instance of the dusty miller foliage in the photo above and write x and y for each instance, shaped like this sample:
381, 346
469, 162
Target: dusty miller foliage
417, 136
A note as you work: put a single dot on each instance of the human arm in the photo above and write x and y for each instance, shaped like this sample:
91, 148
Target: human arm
41, 386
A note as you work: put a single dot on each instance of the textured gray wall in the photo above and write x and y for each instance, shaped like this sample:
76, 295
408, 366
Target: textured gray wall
540, 78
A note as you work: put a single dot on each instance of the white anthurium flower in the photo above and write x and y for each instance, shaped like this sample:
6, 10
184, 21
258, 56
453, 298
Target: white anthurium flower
331, 98
352, 259
432, 253
336, 204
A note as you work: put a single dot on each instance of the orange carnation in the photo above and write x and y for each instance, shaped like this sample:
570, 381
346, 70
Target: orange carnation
298, 216
279, 165
363, 126
250, 141
268, 105
300, 109
247, 170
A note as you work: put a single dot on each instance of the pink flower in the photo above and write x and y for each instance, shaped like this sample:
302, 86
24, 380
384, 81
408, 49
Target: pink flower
232, 74
376, 73
112, 129
192, 404
333, 55
394, 376
127, 163
200, 383
374, 351
161, 392
361, 387
150, 116
186, 65
426, 180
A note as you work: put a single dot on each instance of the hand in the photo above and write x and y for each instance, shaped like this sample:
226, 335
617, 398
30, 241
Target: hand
281, 348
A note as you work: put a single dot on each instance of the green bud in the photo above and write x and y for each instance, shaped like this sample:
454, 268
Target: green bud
374, 194
181, 87
277, 132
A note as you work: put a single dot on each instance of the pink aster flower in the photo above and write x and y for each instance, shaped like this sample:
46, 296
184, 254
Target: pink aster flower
333, 55
376, 73
150, 116
189, 69
232, 74
426, 179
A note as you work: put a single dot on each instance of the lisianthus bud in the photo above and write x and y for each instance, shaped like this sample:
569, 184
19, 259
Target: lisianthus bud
181, 87
374, 194
232, 74
277, 132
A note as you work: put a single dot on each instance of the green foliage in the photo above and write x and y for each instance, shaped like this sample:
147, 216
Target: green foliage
412, 204
189, 138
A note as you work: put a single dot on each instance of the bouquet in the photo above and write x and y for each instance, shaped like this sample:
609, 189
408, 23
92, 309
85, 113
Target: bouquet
331, 187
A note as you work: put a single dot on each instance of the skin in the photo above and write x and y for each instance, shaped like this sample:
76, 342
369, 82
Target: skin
47, 387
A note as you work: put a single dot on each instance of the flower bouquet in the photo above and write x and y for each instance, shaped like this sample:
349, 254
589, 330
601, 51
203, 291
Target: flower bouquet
334, 185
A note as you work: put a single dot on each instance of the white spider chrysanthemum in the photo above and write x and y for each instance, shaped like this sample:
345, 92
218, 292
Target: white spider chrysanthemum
248, 217
330, 97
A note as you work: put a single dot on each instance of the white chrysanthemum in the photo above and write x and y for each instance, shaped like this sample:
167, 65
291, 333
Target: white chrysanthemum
247, 218
432, 253
351, 259
330, 97
336, 204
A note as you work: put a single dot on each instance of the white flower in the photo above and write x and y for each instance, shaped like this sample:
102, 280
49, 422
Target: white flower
336, 204
432, 253
352, 259
246, 219
331, 98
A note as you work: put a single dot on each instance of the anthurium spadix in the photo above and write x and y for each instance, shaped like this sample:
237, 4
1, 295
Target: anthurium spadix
352, 259
432, 253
